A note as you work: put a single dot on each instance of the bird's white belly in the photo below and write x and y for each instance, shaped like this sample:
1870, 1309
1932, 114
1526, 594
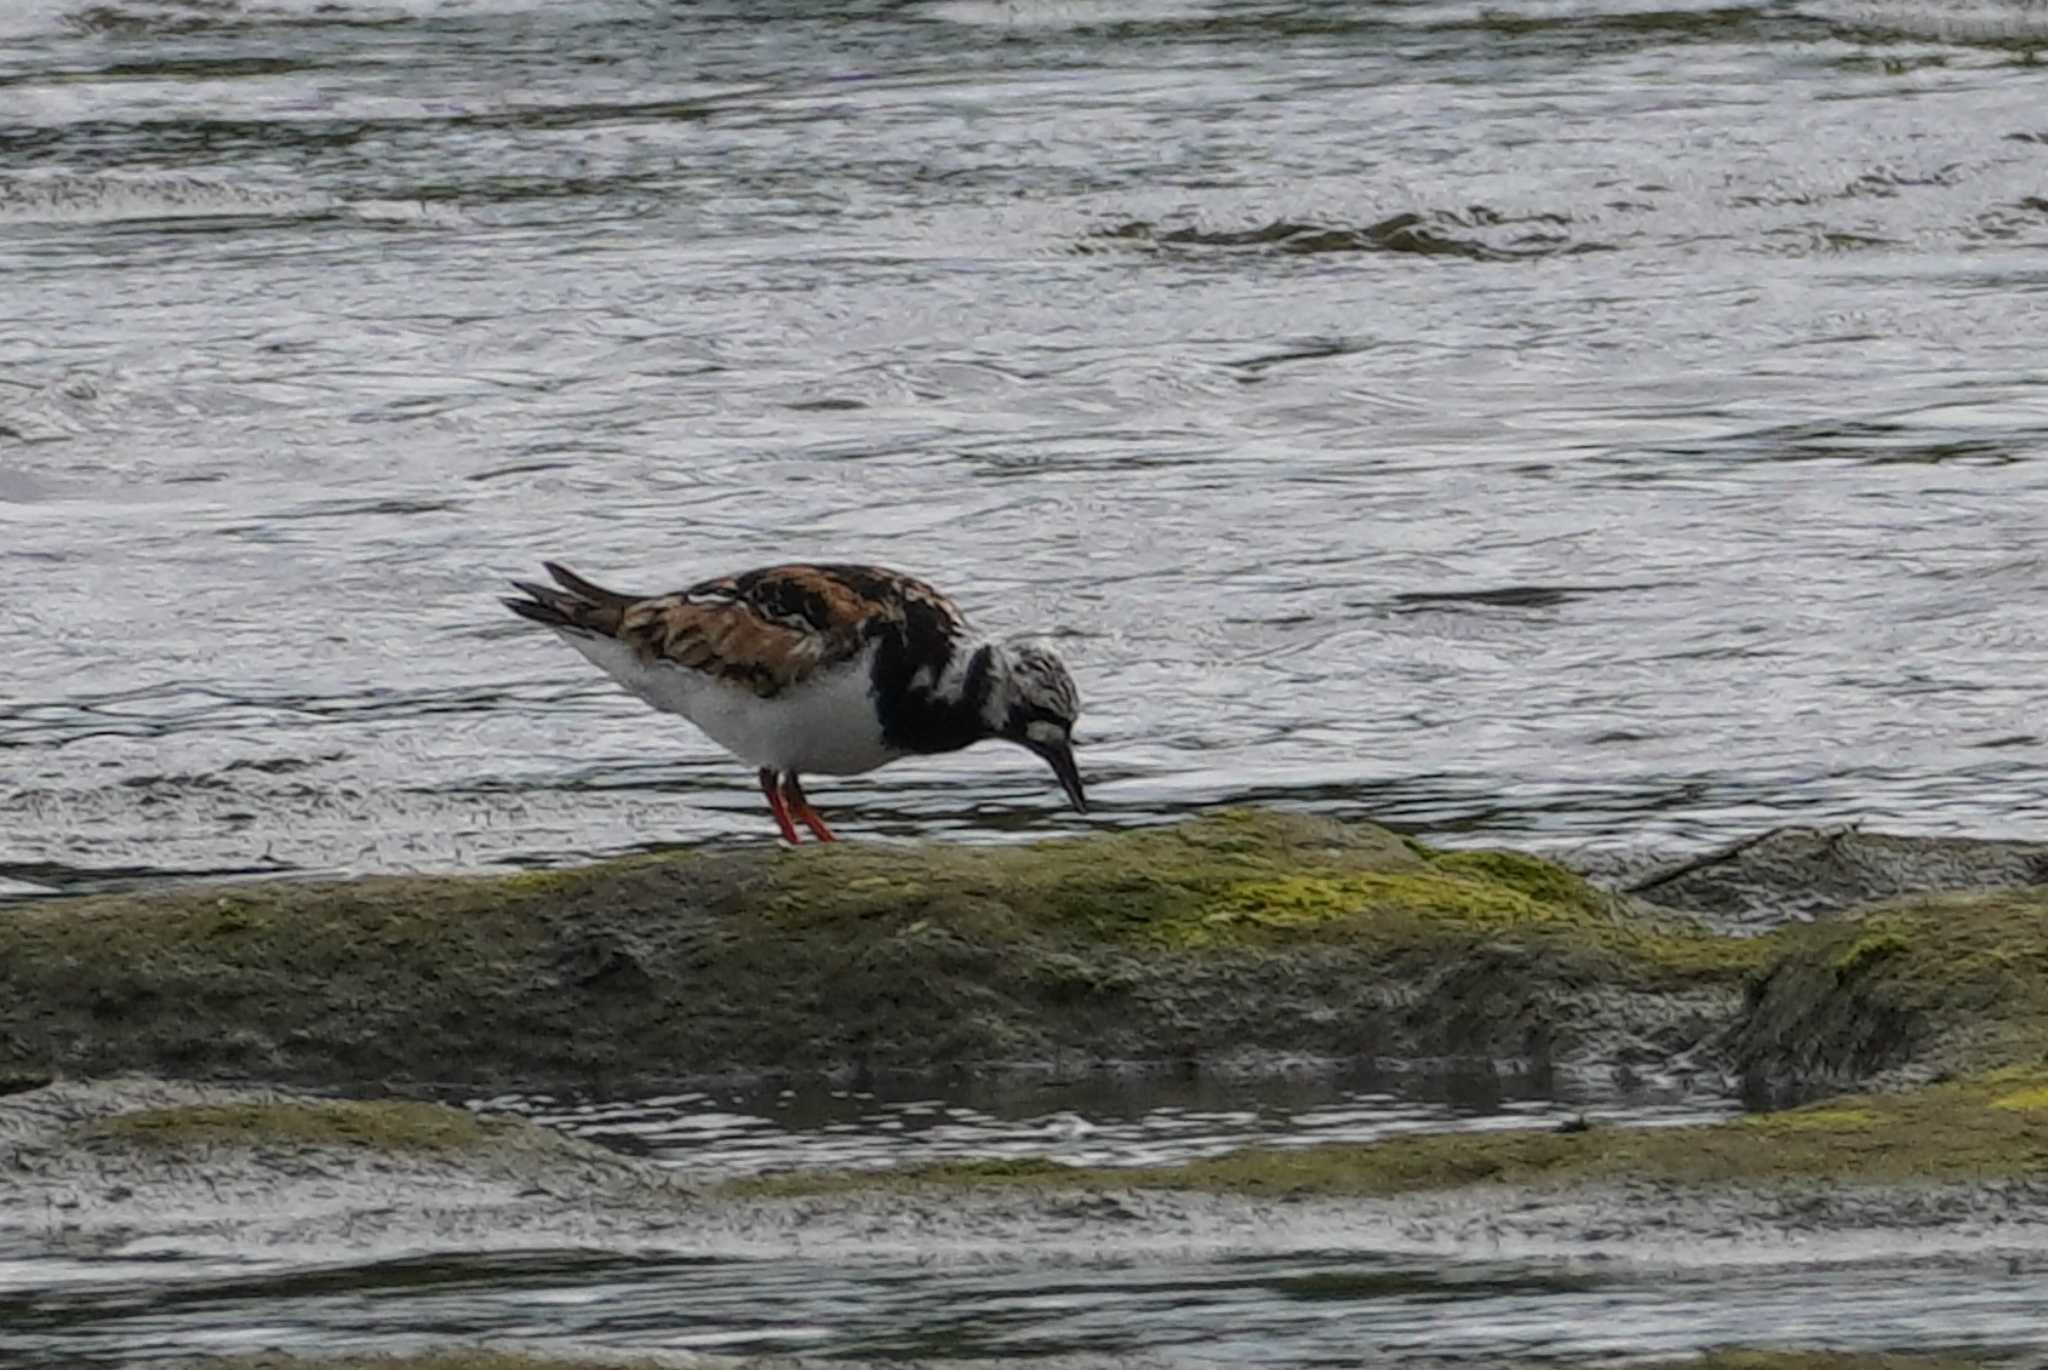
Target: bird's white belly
827, 726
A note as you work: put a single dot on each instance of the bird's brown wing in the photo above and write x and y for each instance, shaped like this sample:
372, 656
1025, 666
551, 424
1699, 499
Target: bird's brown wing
774, 628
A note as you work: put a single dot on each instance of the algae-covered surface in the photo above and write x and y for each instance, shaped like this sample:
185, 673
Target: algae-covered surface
152, 1210
1950, 981
381, 1126
1241, 931
252, 1169
1990, 1128
176, 1129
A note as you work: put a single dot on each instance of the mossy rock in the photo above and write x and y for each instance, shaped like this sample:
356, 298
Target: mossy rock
1237, 879
1991, 1127
1244, 930
1241, 930
380, 1125
1938, 983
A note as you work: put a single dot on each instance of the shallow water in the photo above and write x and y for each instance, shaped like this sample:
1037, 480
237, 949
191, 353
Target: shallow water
1566, 423
1323, 1308
1301, 1288
1093, 1121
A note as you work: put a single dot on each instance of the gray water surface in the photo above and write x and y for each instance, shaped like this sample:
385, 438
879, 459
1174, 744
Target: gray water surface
1560, 423
1330, 1308
1096, 1120
1299, 1285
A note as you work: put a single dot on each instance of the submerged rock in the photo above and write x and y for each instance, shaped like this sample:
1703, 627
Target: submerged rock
137, 1167
1990, 1128
1797, 873
152, 1165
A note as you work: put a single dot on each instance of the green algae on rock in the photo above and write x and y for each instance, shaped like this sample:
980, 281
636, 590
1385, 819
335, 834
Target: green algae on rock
337, 1201
1990, 1127
388, 1125
163, 1127
1944, 982
1241, 878
1239, 931
235, 1168
1244, 931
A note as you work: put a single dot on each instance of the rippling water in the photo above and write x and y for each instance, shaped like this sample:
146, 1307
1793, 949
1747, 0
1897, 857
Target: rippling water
1330, 1308
1099, 1121
1297, 1287
1589, 422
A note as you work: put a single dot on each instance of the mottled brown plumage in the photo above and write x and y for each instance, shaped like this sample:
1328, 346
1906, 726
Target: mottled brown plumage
818, 668
766, 630
774, 628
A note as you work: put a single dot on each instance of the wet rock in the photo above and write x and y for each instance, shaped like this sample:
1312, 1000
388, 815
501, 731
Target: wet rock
1797, 873
1240, 932
174, 1164
1241, 936
1988, 1128
301, 1177
284, 1180
1904, 991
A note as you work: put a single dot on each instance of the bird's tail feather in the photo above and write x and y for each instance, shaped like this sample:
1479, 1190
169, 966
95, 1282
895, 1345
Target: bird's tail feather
587, 591
579, 607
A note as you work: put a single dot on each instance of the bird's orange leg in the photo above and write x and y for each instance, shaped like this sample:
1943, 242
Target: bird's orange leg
793, 794
775, 806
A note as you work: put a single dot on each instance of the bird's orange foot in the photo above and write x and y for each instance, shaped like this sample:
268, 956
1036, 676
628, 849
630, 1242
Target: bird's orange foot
793, 796
779, 809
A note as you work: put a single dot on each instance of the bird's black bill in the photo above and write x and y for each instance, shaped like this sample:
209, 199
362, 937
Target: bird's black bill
1060, 756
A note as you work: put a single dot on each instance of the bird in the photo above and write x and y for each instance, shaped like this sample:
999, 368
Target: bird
818, 668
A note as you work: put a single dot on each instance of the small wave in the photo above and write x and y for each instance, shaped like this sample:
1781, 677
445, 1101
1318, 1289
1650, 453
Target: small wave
33, 18
1800, 240
145, 17
1429, 235
1572, 24
1709, 23
156, 16
357, 508
29, 880
43, 198
1505, 596
2015, 23
1073, 14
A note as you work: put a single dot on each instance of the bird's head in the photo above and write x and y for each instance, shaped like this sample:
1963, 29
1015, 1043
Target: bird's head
1034, 704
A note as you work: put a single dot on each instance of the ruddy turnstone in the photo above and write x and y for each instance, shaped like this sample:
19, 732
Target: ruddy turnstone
818, 668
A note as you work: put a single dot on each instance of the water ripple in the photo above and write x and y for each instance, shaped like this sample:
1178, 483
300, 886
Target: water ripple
1348, 477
